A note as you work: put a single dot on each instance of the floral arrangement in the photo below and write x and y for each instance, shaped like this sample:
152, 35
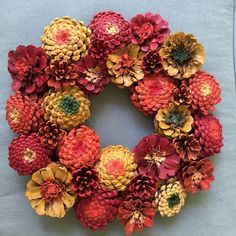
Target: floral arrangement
63, 156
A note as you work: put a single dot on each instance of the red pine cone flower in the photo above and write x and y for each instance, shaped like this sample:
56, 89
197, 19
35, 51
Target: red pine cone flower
50, 134
109, 31
93, 75
99, 210
27, 154
187, 146
208, 131
62, 74
27, 68
136, 214
205, 92
182, 95
142, 187
152, 93
197, 175
23, 114
156, 157
149, 31
152, 62
80, 147
85, 181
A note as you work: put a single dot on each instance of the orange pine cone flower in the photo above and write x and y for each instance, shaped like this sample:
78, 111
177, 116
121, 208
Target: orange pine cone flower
23, 114
205, 91
80, 147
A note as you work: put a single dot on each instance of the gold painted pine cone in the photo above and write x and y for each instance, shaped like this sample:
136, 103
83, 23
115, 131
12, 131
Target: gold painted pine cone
68, 107
116, 167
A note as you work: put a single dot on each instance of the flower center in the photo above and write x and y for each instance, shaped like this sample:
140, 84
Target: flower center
174, 118
145, 31
157, 158
173, 200
112, 29
115, 167
205, 89
62, 36
181, 55
51, 189
69, 105
136, 216
29, 155
125, 64
14, 114
197, 177
92, 74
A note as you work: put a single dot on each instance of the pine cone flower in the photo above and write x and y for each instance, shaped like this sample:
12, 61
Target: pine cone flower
205, 92
27, 154
197, 175
93, 75
136, 214
66, 39
23, 114
109, 31
142, 187
173, 121
62, 74
99, 210
170, 199
49, 191
156, 157
182, 95
67, 107
187, 146
85, 181
149, 31
208, 131
182, 55
27, 68
124, 65
79, 148
50, 134
152, 93
116, 167
152, 63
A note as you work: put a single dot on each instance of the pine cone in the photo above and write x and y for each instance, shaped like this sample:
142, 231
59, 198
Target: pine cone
99, 210
142, 187
197, 175
50, 134
170, 199
23, 113
85, 181
67, 107
116, 167
182, 95
187, 146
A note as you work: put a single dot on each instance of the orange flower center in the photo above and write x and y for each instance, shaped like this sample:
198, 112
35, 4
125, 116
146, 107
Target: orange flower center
112, 29
125, 64
29, 155
205, 89
62, 36
14, 114
51, 190
115, 167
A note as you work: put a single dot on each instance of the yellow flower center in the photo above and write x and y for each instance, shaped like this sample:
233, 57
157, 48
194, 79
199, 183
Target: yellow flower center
156, 158
136, 216
92, 74
112, 29
29, 155
196, 177
14, 114
206, 89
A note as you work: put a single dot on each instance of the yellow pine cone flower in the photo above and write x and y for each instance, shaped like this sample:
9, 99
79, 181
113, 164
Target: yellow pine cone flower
173, 120
125, 65
68, 107
182, 55
66, 38
49, 191
116, 167
170, 199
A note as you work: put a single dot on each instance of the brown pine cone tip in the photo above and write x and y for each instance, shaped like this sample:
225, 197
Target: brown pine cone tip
182, 95
187, 146
50, 134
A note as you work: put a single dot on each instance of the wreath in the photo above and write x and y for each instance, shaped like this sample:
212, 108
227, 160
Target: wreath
68, 168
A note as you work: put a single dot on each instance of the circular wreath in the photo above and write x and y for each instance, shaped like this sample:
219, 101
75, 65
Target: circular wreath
63, 156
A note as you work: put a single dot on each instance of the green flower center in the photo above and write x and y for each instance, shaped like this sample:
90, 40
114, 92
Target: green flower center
174, 118
173, 200
69, 105
181, 55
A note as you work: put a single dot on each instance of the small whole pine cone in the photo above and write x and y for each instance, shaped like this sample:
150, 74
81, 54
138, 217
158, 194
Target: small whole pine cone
182, 95
27, 154
99, 210
50, 134
142, 187
85, 181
